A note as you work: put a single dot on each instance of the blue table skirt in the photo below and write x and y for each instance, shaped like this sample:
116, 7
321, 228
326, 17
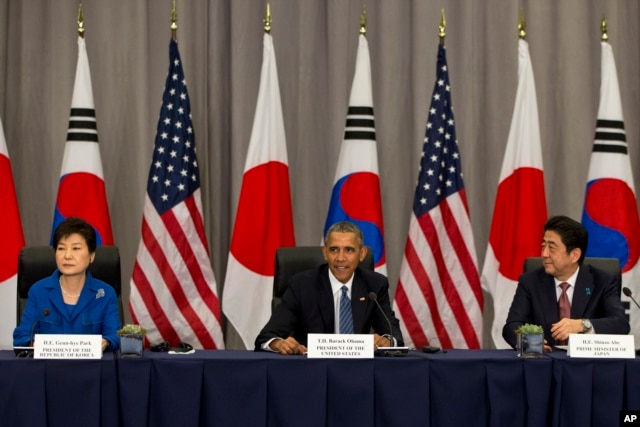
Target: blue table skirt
244, 388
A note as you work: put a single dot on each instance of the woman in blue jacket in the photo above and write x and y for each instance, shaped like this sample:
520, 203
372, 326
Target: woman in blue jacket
71, 301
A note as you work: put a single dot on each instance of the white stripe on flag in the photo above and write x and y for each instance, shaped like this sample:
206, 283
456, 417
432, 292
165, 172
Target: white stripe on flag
82, 156
8, 291
180, 268
247, 291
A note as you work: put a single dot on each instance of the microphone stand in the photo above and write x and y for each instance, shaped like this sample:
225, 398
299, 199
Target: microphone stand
44, 314
627, 292
27, 352
392, 350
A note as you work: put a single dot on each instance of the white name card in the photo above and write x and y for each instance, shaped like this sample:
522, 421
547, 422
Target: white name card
67, 346
340, 346
602, 346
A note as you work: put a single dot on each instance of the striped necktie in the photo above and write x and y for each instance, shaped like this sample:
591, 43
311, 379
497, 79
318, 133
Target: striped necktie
564, 306
346, 319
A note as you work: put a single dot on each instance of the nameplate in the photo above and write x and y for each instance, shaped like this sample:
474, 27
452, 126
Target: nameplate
67, 346
602, 346
340, 346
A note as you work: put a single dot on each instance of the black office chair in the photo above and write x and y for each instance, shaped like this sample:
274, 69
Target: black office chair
38, 262
611, 265
295, 259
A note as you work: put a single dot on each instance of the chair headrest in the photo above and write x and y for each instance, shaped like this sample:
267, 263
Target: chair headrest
295, 259
38, 262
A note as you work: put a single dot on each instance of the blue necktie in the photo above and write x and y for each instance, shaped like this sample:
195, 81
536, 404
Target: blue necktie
346, 319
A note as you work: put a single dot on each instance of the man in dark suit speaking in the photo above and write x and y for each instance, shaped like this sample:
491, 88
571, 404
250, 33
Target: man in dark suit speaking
564, 296
333, 298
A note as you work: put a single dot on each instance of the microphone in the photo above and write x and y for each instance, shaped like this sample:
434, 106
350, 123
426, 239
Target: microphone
391, 350
627, 292
44, 314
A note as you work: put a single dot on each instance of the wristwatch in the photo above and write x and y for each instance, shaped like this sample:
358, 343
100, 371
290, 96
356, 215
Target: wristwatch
586, 325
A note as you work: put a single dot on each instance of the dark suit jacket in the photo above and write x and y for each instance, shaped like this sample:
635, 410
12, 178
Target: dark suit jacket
596, 297
307, 306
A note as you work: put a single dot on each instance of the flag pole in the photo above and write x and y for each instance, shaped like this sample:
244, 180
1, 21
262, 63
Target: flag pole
174, 22
267, 19
442, 28
80, 21
603, 28
522, 26
363, 21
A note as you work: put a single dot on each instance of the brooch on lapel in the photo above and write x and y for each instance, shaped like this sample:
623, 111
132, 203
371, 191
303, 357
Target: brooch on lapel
100, 293
587, 291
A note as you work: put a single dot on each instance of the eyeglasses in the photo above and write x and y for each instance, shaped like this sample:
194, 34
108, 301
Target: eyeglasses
163, 346
183, 347
24, 354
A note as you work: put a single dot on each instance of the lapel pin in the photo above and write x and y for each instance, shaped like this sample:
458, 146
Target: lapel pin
362, 298
588, 291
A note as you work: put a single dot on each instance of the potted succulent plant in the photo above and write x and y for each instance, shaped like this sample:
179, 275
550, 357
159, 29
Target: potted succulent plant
530, 340
131, 340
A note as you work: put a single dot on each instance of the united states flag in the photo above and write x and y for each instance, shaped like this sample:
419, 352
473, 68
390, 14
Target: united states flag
439, 299
173, 288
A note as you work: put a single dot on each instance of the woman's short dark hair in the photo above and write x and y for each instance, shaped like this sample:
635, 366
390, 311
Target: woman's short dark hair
571, 232
79, 226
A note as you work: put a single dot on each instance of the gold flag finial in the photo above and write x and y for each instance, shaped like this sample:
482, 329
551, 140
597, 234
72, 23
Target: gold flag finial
522, 26
267, 19
363, 20
80, 21
603, 28
174, 21
442, 28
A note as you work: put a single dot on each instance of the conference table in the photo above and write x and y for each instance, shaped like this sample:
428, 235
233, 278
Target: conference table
245, 388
